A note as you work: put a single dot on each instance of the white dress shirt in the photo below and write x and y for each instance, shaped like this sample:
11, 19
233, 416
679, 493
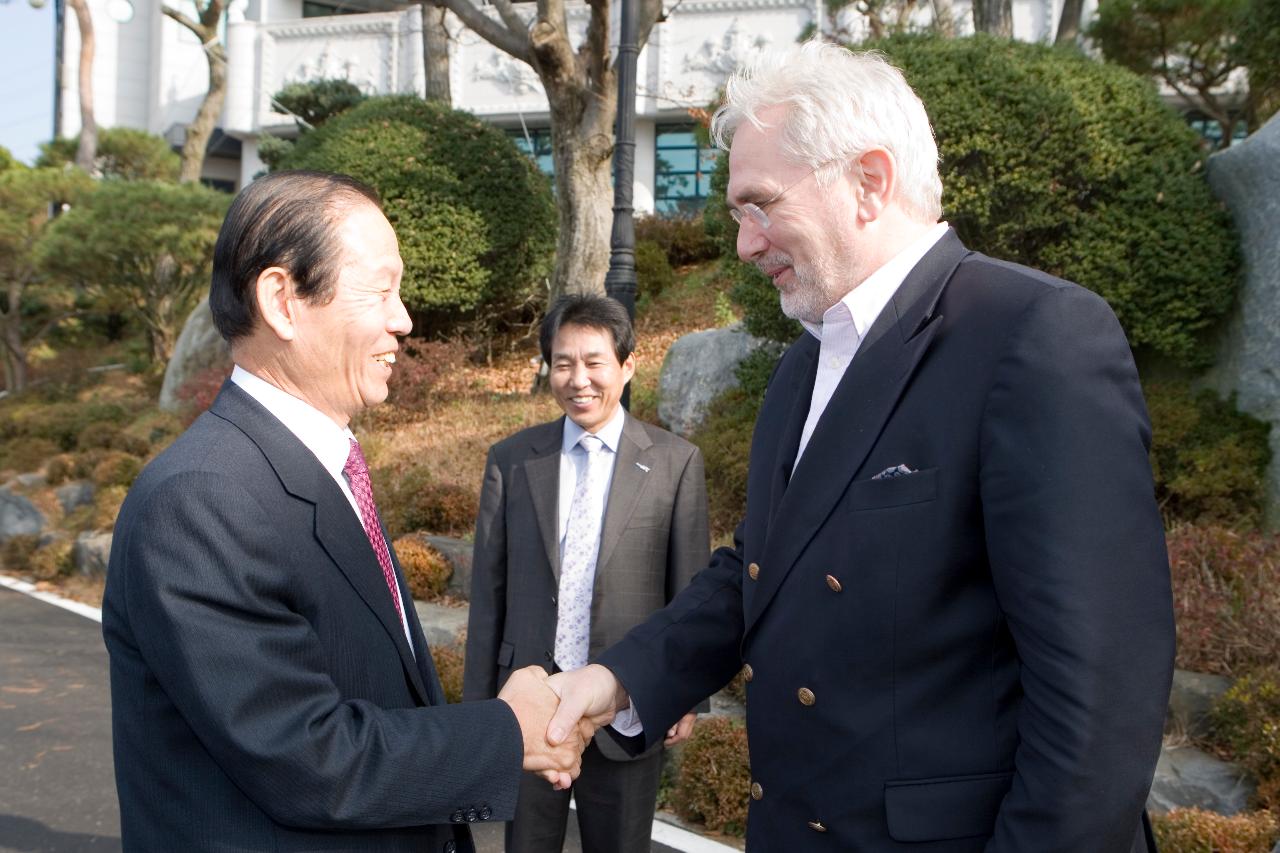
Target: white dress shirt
845, 325
627, 722
330, 443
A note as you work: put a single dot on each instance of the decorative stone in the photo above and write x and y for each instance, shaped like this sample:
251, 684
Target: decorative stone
458, 553
75, 494
1188, 778
199, 347
698, 368
18, 516
442, 625
1192, 698
1246, 177
90, 553
30, 480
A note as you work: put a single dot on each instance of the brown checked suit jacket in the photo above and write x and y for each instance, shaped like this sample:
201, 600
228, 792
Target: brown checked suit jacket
653, 541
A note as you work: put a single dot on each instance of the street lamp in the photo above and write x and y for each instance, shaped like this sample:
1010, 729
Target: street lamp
620, 281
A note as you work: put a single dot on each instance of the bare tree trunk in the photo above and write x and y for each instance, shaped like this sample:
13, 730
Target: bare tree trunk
15, 354
201, 128
581, 89
435, 53
1069, 22
87, 149
944, 18
994, 17
582, 149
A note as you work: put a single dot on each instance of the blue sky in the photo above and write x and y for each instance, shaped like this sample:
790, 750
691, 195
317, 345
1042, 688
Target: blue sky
26, 77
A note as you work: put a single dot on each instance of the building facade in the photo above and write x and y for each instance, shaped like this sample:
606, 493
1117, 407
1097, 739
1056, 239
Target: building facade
151, 73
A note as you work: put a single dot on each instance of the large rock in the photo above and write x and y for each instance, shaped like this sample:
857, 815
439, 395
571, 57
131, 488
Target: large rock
199, 347
1246, 177
89, 554
1192, 698
18, 516
458, 553
698, 368
75, 494
1188, 778
441, 624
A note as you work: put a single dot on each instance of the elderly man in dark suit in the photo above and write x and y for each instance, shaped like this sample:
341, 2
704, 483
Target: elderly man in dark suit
950, 594
271, 687
574, 546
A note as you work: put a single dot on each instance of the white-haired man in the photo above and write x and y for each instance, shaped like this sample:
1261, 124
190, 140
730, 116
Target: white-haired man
950, 594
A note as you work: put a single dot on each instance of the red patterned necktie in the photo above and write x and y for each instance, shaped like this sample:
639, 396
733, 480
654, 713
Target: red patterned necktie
357, 471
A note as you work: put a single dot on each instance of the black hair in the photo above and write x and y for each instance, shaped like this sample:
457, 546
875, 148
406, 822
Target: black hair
595, 312
287, 219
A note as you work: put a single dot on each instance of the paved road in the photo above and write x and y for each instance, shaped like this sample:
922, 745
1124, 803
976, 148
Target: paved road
57, 791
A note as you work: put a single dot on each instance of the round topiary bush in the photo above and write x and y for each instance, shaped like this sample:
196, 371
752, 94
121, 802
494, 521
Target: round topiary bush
1199, 831
1068, 165
425, 569
475, 218
715, 776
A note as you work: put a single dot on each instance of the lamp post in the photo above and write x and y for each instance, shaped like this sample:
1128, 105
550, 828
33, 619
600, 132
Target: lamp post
620, 281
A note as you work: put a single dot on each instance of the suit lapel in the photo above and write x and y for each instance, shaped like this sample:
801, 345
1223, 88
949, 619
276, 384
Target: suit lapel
625, 490
542, 470
853, 419
802, 379
337, 529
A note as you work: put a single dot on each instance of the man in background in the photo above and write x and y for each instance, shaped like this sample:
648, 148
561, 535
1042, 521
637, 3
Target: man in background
587, 525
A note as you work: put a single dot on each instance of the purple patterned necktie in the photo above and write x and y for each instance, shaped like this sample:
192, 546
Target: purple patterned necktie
357, 471
581, 548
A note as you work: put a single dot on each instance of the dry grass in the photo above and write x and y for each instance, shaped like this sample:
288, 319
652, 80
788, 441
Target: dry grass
472, 405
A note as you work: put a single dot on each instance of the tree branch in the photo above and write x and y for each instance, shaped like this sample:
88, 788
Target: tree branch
507, 13
515, 44
181, 18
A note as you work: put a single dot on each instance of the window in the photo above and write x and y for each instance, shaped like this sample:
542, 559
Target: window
536, 146
1211, 131
318, 9
682, 170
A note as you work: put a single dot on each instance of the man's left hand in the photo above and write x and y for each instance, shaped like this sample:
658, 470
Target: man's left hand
680, 732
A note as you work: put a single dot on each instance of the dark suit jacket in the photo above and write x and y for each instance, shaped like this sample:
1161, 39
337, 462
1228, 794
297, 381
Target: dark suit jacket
263, 694
653, 541
973, 656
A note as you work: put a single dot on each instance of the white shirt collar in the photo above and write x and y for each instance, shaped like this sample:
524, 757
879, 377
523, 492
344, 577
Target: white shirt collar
330, 443
864, 303
610, 433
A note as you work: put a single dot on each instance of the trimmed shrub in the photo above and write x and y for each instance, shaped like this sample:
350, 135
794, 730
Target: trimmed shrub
475, 217
1198, 831
425, 569
420, 368
122, 152
1246, 721
15, 553
715, 776
26, 454
653, 270
413, 501
116, 468
1068, 165
450, 662
198, 393
725, 441
1209, 460
51, 561
683, 239
110, 437
1226, 587
106, 506
60, 469
317, 101
59, 422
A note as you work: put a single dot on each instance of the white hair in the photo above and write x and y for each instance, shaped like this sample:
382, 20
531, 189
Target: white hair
839, 104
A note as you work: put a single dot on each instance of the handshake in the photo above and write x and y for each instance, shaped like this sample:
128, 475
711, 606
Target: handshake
559, 714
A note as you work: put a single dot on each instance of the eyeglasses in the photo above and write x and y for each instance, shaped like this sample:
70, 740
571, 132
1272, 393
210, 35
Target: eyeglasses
756, 211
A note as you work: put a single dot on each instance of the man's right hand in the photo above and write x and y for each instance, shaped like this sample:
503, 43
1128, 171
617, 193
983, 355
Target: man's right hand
534, 702
592, 694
